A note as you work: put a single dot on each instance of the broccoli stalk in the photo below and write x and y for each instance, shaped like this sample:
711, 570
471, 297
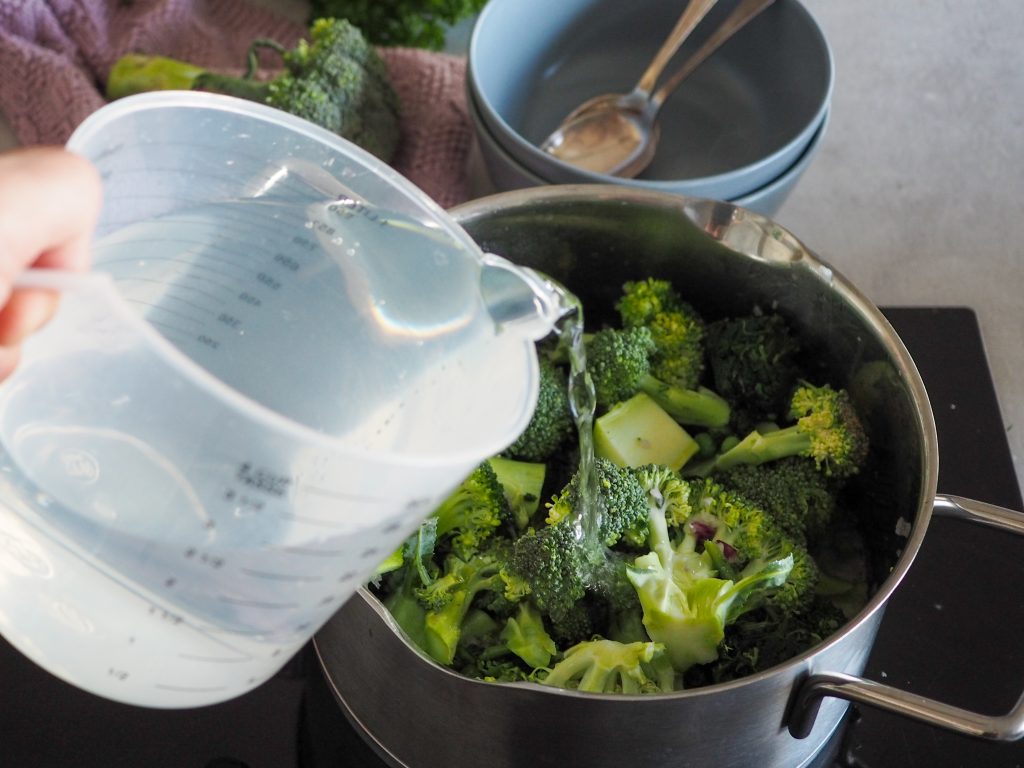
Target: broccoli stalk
827, 430
336, 80
686, 606
608, 666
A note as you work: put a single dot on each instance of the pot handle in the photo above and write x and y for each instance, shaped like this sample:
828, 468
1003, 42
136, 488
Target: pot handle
1008, 727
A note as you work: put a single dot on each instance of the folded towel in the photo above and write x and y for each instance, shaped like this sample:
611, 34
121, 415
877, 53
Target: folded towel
55, 55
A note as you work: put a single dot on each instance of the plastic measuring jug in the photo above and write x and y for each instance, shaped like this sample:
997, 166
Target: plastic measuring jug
285, 355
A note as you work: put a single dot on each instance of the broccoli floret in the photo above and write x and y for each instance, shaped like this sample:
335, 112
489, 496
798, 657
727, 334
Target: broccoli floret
752, 360
335, 79
827, 430
622, 504
677, 330
552, 422
687, 604
607, 666
525, 636
767, 637
450, 598
801, 499
621, 363
469, 515
549, 564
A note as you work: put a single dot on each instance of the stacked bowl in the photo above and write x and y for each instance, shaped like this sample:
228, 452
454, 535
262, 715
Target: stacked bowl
743, 127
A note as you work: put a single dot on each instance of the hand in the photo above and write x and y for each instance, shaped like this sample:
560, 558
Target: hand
49, 203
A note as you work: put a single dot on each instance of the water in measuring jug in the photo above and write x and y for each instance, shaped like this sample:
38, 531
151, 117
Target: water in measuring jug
186, 501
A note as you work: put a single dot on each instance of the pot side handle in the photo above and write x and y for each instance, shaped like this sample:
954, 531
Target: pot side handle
1008, 727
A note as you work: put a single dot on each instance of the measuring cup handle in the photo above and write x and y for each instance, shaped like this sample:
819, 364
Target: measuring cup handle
61, 280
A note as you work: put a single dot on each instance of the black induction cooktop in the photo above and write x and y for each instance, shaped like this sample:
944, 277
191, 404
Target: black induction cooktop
954, 631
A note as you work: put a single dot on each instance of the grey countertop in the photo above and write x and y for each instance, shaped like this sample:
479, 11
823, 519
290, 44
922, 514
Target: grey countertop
916, 194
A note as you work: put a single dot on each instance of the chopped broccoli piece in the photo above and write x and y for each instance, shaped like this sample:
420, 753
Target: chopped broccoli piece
827, 430
607, 666
552, 422
523, 482
693, 585
549, 564
677, 330
752, 360
623, 509
469, 515
336, 79
620, 364
525, 636
801, 499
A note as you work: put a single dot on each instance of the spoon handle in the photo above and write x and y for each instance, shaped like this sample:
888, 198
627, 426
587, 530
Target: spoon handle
695, 11
741, 14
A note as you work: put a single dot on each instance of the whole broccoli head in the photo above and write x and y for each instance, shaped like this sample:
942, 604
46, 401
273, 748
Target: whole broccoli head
552, 421
334, 79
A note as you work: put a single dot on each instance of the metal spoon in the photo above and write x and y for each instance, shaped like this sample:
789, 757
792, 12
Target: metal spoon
618, 133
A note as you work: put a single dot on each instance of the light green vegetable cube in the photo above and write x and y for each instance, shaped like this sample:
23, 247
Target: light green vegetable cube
638, 432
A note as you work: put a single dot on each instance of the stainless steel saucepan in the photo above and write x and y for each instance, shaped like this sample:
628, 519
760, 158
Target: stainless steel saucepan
726, 260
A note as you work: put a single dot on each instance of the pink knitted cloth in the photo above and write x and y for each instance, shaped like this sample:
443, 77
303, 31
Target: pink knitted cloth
54, 56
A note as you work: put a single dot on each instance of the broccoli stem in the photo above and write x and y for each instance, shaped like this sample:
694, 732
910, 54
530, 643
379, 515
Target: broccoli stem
137, 73
757, 448
694, 407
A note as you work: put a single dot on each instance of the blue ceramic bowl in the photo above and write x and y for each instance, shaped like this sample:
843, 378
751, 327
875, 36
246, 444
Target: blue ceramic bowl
505, 173
737, 124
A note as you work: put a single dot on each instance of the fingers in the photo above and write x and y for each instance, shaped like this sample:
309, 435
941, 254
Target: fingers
49, 203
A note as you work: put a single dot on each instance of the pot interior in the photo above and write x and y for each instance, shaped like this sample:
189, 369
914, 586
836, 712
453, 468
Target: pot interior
727, 261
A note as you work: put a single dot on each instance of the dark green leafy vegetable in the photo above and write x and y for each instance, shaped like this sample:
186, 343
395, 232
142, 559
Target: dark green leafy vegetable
412, 23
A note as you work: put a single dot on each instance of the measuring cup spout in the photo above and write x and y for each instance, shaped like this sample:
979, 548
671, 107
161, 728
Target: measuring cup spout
521, 299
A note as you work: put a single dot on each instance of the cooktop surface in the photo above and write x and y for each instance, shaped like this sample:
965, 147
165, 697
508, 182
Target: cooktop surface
952, 631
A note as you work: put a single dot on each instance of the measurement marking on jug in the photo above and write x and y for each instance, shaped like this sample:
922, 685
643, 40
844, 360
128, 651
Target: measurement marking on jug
189, 688
264, 480
215, 562
290, 577
306, 552
248, 603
